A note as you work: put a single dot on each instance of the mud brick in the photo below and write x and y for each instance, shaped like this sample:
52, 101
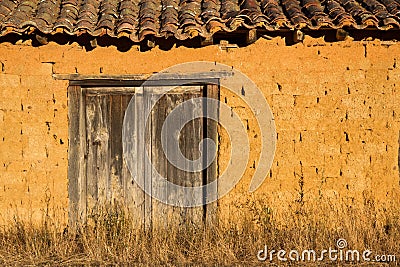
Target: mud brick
332, 166
26, 66
353, 77
10, 93
10, 149
380, 57
34, 149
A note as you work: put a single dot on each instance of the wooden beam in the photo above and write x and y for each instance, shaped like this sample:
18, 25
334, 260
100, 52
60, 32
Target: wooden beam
93, 43
251, 36
109, 90
341, 34
42, 39
149, 83
298, 36
82, 77
194, 76
131, 90
151, 43
207, 41
226, 46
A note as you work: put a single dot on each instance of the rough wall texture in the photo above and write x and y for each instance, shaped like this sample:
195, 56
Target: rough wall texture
335, 107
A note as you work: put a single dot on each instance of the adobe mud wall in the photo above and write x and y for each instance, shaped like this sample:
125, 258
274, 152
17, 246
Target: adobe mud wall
335, 106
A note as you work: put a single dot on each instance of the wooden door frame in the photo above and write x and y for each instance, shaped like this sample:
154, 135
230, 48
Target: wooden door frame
77, 147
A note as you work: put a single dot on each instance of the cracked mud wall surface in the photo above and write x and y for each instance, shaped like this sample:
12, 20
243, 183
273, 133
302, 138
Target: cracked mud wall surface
335, 107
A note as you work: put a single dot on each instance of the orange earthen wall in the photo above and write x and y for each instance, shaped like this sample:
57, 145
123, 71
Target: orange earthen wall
336, 109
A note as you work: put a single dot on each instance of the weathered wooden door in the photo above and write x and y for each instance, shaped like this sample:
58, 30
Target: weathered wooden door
100, 176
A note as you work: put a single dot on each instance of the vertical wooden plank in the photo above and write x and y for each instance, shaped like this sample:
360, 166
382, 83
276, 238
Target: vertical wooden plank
193, 135
212, 91
116, 115
140, 150
103, 150
168, 209
98, 147
91, 180
75, 155
174, 213
83, 159
133, 194
128, 176
159, 161
185, 145
147, 139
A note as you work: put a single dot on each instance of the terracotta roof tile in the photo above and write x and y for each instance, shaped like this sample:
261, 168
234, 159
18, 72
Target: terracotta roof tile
184, 19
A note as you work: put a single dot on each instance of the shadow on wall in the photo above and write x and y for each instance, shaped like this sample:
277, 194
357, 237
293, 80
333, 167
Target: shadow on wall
240, 38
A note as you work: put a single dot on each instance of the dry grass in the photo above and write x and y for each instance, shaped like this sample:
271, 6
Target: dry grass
111, 238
